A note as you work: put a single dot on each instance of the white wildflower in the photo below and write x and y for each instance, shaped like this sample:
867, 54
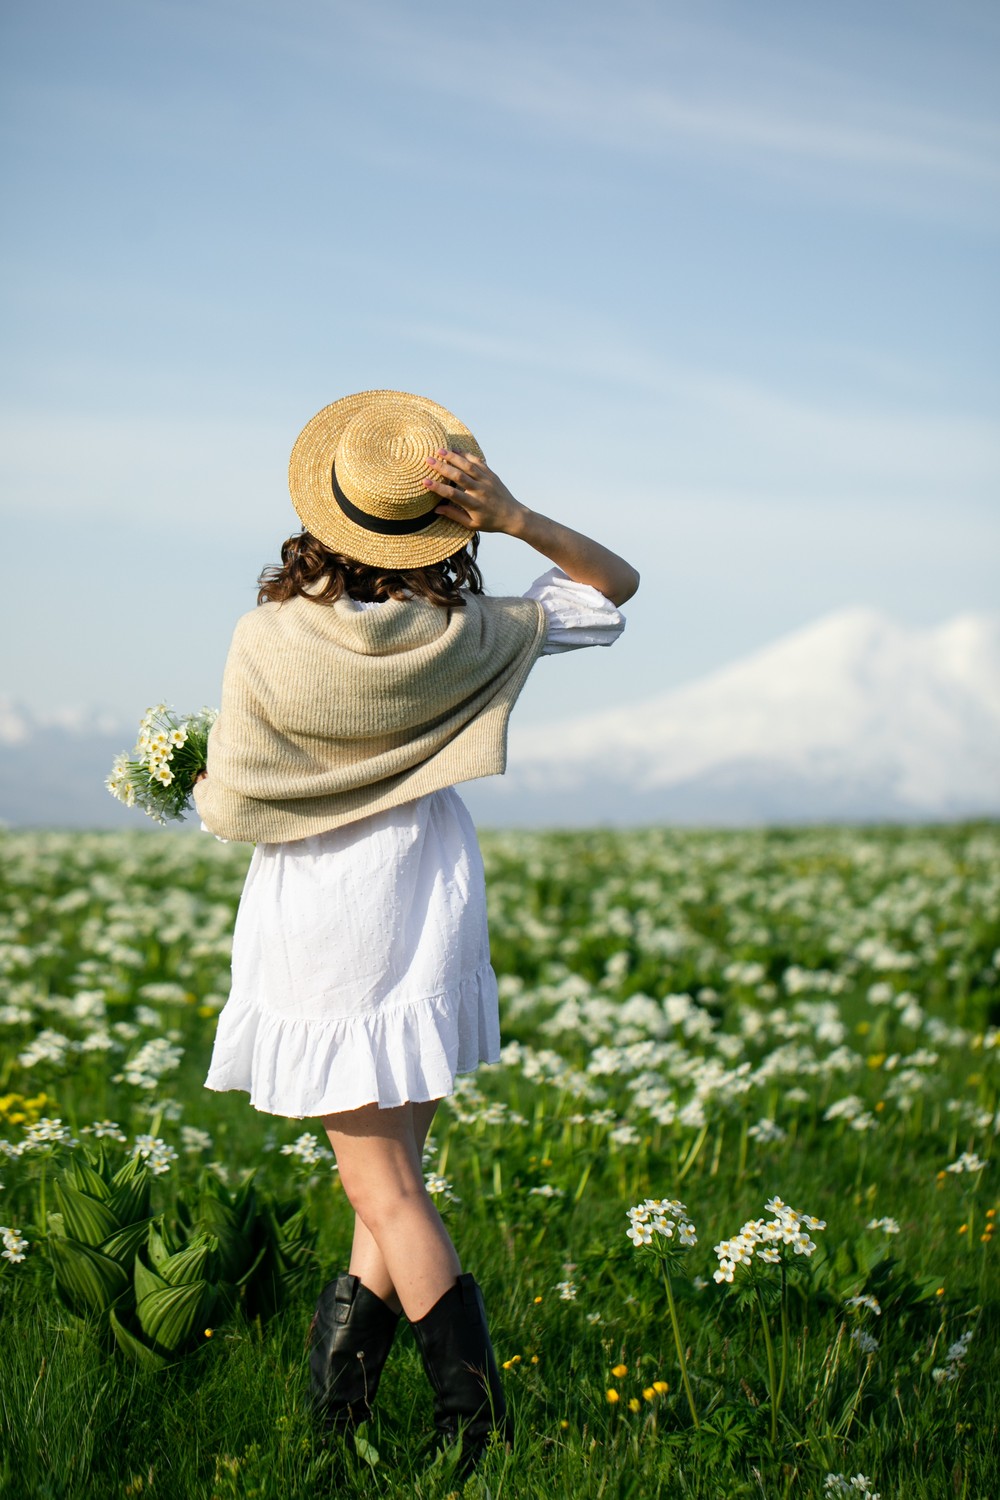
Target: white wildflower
193, 1139
14, 1245
864, 1300
967, 1162
157, 1155
105, 1130
440, 1187
888, 1226
306, 1148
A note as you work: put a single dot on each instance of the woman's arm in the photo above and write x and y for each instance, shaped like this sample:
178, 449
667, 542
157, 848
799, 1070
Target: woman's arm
473, 496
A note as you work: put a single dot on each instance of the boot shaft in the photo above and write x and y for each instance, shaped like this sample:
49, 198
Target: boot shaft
350, 1338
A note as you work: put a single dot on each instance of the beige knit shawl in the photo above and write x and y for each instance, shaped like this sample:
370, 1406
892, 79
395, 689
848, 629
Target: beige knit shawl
331, 712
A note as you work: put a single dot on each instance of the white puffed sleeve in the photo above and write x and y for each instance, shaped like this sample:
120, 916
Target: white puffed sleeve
577, 614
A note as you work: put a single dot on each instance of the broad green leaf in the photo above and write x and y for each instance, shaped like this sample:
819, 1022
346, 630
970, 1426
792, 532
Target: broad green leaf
124, 1245
175, 1314
85, 1218
89, 1181
86, 1280
146, 1281
130, 1198
196, 1262
134, 1347
159, 1250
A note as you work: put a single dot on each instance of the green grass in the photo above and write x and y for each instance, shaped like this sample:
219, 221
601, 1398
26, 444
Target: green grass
663, 993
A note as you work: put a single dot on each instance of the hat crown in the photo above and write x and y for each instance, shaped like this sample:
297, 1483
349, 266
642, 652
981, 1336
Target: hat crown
381, 459
356, 478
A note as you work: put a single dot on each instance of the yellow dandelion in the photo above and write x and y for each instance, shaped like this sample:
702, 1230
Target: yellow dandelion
509, 1364
612, 1396
563, 1424
963, 1228
619, 1371
939, 1292
635, 1405
661, 1387
537, 1300
648, 1393
534, 1359
209, 1332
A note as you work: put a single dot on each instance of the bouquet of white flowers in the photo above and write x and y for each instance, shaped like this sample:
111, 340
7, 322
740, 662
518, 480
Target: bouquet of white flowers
169, 755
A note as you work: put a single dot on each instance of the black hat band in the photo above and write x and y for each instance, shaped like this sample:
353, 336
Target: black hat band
406, 526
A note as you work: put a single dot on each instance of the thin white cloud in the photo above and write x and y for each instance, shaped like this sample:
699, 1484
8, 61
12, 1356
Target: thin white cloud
687, 88
811, 445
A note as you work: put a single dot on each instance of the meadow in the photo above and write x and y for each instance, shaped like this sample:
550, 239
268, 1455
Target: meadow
730, 1193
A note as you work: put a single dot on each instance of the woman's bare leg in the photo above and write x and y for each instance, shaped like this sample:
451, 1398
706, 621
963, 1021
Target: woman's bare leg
402, 1251
366, 1257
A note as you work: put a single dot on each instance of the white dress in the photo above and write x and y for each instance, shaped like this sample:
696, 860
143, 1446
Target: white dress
361, 958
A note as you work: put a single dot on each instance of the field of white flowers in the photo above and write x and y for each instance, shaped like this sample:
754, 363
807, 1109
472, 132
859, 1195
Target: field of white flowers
730, 1192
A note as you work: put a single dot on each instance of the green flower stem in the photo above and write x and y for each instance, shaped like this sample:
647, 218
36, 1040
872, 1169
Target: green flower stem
679, 1345
772, 1374
693, 1154
784, 1337
41, 1205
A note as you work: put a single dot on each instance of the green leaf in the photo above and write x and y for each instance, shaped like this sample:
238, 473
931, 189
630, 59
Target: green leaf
134, 1347
172, 1316
130, 1199
88, 1181
85, 1218
365, 1450
87, 1281
146, 1281
196, 1262
156, 1243
124, 1245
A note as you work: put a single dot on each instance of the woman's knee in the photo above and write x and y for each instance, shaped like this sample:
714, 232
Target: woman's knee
381, 1204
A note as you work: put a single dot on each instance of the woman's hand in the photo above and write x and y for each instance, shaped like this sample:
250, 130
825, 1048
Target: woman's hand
472, 494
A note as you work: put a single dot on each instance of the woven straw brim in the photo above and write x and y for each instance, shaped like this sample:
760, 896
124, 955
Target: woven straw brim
418, 428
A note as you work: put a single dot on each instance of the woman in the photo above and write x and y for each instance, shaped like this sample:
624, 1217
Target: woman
374, 676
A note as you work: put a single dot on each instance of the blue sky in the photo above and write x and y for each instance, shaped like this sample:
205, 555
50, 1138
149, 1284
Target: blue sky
715, 282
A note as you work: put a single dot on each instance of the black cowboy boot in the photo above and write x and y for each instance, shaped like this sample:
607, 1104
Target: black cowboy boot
454, 1344
349, 1338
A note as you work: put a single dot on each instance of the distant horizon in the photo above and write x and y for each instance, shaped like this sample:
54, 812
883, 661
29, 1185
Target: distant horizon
853, 718
535, 695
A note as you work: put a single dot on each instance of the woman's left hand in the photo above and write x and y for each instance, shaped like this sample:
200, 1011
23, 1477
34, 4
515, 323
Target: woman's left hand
472, 494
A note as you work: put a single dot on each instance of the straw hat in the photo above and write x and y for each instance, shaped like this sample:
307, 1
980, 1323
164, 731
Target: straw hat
355, 478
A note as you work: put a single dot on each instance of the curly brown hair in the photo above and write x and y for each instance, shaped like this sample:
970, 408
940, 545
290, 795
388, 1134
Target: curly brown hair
304, 560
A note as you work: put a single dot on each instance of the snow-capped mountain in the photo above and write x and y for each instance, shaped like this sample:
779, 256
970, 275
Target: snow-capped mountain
853, 717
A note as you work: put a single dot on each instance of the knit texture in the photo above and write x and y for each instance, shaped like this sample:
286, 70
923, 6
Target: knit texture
330, 712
